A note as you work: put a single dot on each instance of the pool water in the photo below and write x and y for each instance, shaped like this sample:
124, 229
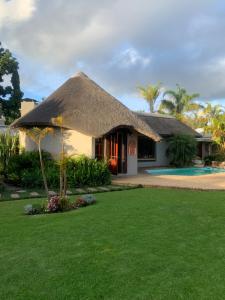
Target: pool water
186, 171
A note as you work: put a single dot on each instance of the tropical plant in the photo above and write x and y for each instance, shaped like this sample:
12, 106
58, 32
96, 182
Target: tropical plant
179, 102
9, 145
181, 150
216, 127
37, 135
150, 93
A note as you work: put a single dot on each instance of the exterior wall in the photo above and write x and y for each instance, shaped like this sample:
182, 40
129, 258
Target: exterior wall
75, 143
132, 166
161, 158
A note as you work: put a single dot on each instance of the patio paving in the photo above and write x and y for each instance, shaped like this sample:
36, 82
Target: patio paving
15, 196
204, 182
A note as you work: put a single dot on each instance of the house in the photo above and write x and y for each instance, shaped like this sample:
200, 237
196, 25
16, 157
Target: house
99, 126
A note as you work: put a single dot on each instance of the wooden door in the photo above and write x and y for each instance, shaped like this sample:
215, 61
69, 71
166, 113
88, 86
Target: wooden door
112, 145
117, 152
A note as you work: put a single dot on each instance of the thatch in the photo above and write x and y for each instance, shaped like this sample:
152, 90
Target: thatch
165, 125
85, 107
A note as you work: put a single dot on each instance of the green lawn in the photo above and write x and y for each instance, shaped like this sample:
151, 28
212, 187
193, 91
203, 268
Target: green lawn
136, 244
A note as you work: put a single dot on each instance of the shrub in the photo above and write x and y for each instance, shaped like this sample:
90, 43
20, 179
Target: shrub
33, 209
90, 172
53, 204
181, 150
24, 170
84, 200
9, 146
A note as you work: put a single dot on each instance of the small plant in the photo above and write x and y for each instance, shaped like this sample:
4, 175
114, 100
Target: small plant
84, 200
53, 204
33, 209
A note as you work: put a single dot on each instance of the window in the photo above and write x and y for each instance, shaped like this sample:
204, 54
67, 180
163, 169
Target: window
146, 148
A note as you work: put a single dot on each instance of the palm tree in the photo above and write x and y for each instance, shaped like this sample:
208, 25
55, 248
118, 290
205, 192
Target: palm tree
213, 111
37, 134
58, 121
150, 94
179, 102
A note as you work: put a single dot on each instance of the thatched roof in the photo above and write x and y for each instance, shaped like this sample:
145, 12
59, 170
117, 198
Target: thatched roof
166, 125
87, 108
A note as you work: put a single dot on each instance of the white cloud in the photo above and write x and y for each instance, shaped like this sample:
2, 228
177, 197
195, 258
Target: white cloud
130, 57
13, 11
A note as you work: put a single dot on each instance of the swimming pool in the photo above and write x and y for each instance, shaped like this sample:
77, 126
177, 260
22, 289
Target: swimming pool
186, 171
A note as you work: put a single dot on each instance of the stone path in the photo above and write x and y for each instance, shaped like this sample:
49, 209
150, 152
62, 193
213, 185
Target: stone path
92, 189
80, 191
52, 193
15, 196
103, 188
34, 194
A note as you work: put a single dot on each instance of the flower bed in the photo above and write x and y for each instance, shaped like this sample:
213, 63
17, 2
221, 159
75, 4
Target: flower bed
55, 205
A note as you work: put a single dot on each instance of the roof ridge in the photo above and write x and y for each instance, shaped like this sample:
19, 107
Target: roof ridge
157, 115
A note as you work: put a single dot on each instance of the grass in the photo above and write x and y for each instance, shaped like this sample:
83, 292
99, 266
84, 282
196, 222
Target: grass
136, 244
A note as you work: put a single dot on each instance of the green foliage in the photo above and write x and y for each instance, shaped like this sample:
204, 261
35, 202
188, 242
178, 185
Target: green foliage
10, 95
208, 159
181, 150
90, 172
150, 94
179, 102
33, 209
9, 146
216, 127
24, 170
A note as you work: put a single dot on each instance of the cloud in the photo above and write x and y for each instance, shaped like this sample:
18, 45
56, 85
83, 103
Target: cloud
14, 11
130, 57
120, 43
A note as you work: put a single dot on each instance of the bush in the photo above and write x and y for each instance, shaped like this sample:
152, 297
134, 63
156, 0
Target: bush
9, 146
83, 171
84, 200
53, 204
24, 170
181, 150
33, 209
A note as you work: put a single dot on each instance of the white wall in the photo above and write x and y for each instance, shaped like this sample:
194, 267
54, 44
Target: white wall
161, 158
75, 143
132, 159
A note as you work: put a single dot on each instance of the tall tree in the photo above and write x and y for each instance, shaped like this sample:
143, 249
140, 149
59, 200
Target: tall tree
178, 102
150, 93
10, 93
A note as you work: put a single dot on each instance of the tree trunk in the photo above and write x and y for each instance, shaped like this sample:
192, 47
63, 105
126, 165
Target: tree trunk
42, 170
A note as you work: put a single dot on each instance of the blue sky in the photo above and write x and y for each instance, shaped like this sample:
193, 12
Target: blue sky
120, 44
